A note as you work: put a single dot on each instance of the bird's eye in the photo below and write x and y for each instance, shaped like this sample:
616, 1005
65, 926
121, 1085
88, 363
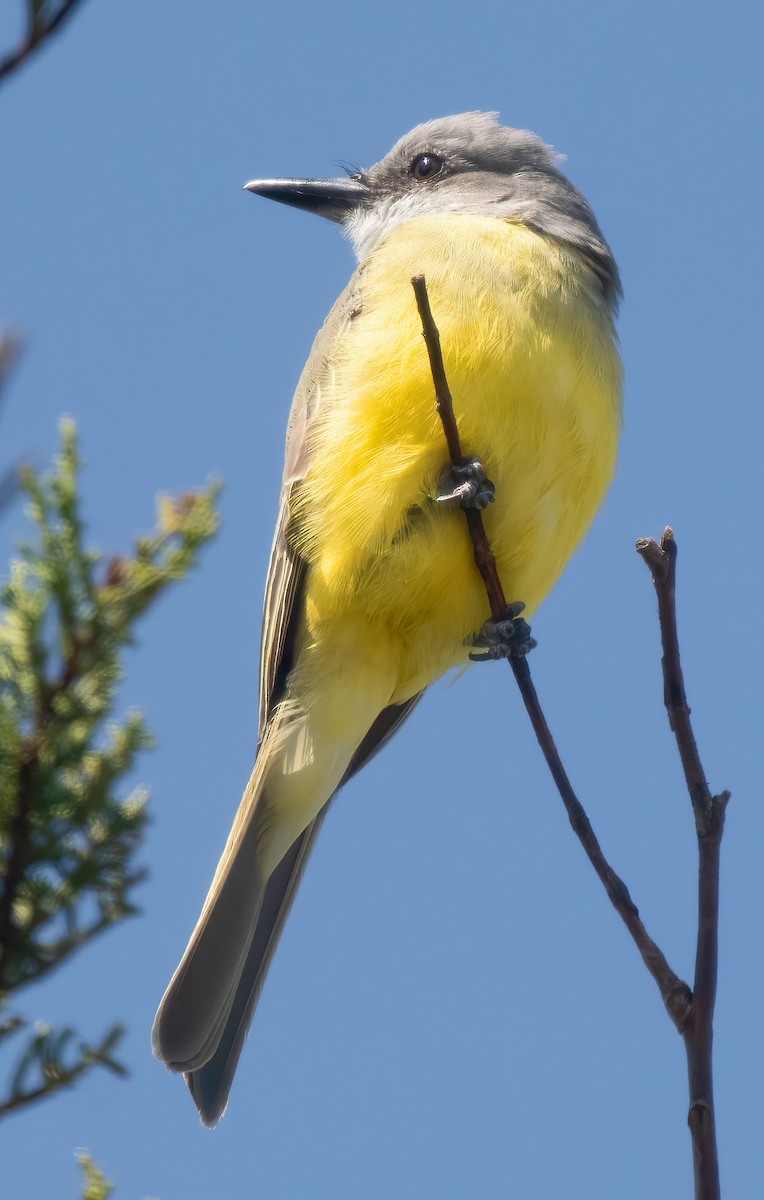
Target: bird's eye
425, 166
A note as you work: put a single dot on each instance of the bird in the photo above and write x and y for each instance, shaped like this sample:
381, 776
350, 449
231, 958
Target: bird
372, 593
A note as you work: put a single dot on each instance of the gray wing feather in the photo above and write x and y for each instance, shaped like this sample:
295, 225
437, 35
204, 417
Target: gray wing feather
287, 567
210, 1083
285, 575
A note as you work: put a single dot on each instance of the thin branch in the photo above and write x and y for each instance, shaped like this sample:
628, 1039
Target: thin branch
484, 559
661, 559
58, 954
38, 32
692, 1013
709, 813
64, 1077
674, 991
49, 1088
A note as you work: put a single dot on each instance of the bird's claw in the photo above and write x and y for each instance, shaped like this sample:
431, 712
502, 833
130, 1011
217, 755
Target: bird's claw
465, 482
507, 637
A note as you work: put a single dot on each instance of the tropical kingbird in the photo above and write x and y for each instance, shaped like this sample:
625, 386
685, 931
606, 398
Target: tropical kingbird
372, 592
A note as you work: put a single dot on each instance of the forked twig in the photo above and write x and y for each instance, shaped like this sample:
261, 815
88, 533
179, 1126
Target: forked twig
709, 813
675, 993
690, 1012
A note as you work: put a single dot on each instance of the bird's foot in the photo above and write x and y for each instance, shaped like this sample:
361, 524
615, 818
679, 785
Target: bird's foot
465, 483
507, 637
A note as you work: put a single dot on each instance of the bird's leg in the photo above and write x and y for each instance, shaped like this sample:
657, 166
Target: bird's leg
465, 482
507, 637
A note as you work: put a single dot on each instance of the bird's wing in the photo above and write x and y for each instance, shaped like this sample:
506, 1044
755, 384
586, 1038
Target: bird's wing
287, 567
282, 604
210, 1083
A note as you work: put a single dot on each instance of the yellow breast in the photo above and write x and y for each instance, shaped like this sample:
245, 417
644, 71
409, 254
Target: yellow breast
529, 350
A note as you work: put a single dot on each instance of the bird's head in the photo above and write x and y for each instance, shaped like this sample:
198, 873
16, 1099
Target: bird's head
465, 163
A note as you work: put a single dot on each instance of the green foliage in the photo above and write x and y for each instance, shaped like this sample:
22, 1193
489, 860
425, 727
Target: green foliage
68, 842
97, 1186
54, 1059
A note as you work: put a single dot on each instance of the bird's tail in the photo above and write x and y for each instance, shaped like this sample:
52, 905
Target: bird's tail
203, 1017
210, 1084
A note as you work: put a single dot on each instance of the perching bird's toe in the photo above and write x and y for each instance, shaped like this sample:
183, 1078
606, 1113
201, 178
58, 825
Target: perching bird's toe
466, 484
507, 637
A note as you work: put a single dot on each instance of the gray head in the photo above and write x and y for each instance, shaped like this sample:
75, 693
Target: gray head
465, 163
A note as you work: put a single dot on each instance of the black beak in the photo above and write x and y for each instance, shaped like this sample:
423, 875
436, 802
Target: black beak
334, 199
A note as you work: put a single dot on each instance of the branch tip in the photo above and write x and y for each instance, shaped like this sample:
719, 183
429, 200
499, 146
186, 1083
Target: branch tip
654, 556
668, 541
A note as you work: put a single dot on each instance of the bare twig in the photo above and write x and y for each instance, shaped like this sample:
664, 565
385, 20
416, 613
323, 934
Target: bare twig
709, 813
484, 559
691, 1012
674, 991
38, 31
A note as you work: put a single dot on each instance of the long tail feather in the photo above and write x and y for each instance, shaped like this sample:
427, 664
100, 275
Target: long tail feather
205, 1013
291, 782
210, 1084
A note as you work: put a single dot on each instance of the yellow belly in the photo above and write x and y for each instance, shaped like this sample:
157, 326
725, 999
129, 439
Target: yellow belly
530, 354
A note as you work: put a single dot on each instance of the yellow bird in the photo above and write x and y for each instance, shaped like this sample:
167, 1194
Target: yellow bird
372, 592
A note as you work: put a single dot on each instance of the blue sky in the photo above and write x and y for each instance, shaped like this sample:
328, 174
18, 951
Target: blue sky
454, 1009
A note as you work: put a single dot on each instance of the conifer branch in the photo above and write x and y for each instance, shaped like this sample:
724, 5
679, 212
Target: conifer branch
68, 841
47, 1065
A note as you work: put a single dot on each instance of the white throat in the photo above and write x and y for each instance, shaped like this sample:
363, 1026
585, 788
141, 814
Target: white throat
366, 226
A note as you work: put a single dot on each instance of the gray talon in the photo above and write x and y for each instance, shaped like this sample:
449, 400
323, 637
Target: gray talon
466, 483
507, 637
